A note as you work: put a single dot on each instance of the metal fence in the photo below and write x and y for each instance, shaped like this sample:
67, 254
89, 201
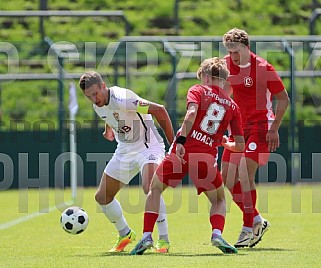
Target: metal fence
172, 58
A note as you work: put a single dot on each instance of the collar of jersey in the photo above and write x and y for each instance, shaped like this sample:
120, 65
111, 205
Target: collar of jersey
245, 65
106, 104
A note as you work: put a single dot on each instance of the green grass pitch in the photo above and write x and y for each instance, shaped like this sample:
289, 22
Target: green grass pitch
31, 236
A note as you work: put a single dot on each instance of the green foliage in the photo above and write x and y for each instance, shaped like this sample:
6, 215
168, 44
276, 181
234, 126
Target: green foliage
196, 18
263, 17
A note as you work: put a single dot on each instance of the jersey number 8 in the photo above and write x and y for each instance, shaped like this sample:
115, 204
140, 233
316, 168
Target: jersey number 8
213, 118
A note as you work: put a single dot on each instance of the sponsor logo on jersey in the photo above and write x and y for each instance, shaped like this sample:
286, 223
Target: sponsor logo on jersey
248, 81
123, 129
116, 98
152, 157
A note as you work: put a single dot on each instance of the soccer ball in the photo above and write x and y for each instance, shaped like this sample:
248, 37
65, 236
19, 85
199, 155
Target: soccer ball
74, 220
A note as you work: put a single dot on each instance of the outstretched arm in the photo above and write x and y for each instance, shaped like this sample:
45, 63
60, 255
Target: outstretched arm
185, 129
189, 119
159, 112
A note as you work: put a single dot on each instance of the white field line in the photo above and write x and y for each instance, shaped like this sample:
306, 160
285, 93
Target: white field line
28, 217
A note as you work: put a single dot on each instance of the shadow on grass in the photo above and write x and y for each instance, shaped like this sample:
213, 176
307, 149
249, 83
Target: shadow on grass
200, 255
122, 254
241, 252
266, 249
114, 254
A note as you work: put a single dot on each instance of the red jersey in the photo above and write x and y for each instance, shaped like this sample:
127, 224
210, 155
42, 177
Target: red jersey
215, 112
253, 87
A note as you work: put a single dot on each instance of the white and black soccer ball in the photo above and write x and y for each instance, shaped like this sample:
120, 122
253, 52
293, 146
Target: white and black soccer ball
74, 220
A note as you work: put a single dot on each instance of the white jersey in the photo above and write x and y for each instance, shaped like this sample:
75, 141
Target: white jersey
133, 131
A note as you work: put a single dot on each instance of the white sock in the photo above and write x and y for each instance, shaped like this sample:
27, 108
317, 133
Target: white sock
257, 218
146, 234
114, 214
217, 232
162, 224
247, 229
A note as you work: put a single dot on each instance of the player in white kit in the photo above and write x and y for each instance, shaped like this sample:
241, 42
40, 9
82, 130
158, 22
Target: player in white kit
140, 148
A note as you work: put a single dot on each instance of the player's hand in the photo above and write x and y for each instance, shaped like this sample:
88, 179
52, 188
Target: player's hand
272, 137
180, 152
224, 139
109, 135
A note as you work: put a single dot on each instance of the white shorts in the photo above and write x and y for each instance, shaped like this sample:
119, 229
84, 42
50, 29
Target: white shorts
125, 167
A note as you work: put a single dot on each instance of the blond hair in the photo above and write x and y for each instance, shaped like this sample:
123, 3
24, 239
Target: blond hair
213, 67
234, 37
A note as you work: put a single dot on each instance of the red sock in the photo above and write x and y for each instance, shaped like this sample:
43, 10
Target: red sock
248, 209
237, 196
254, 196
149, 221
217, 222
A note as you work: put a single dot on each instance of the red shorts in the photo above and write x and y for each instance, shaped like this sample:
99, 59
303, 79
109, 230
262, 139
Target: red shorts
256, 148
201, 167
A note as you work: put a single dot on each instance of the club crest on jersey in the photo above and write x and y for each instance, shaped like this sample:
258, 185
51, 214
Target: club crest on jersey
248, 81
116, 116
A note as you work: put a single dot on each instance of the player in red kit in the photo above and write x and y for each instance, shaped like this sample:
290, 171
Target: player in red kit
253, 82
209, 112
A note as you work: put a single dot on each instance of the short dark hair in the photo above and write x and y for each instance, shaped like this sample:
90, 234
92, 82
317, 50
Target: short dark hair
90, 78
